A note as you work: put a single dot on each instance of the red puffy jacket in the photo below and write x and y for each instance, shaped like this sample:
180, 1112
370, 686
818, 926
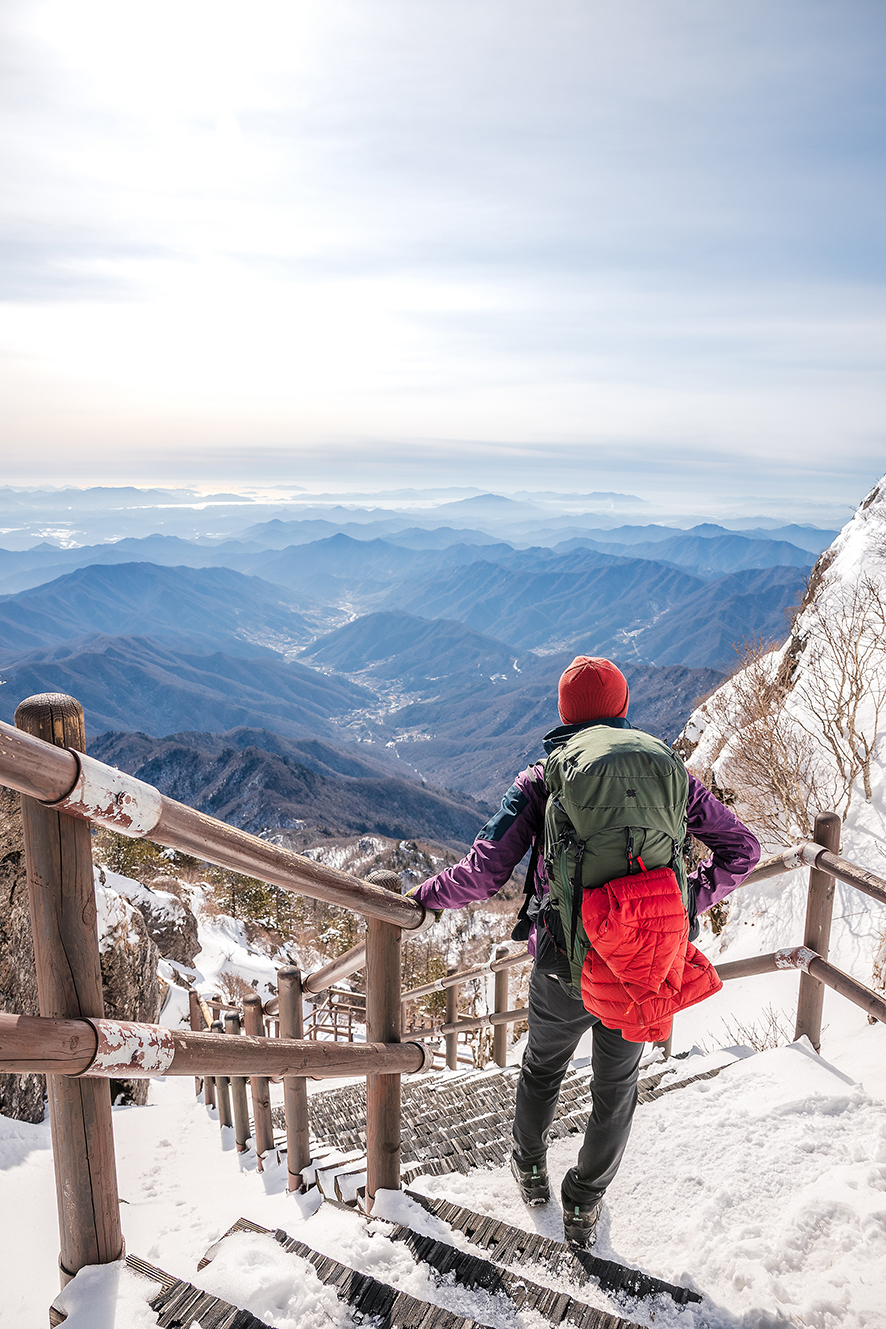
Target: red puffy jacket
641, 967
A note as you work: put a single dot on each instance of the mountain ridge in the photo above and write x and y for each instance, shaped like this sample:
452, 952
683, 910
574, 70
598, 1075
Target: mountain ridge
274, 788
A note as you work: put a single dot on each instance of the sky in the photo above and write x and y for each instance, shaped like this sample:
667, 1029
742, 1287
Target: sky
573, 244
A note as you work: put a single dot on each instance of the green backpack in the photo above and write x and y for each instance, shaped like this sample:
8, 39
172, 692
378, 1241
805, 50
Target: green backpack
615, 796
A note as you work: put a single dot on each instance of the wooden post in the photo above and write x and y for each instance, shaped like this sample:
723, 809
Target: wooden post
259, 1085
58, 857
239, 1105
451, 1017
383, 982
197, 1024
295, 1090
209, 1081
222, 1086
223, 1091
819, 908
500, 1033
666, 1044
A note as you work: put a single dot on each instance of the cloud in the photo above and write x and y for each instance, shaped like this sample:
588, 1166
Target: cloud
501, 226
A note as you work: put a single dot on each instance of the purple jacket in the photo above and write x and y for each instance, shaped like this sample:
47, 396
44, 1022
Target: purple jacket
504, 840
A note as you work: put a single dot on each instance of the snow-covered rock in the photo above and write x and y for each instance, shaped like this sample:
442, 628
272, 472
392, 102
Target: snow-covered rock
170, 922
130, 985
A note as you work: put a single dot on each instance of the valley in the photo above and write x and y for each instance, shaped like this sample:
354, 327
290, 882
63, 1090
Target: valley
418, 644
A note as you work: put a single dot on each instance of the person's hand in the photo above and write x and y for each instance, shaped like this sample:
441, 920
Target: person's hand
413, 894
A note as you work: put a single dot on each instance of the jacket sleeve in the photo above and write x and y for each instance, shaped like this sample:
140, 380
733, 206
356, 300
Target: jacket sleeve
735, 848
497, 850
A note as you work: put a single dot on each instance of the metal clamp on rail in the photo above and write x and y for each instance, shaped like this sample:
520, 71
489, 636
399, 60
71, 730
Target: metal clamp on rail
130, 1051
795, 957
111, 798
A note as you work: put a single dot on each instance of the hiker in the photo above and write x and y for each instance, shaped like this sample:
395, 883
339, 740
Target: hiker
642, 966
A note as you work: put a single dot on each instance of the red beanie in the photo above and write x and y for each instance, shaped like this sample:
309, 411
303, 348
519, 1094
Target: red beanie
592, 689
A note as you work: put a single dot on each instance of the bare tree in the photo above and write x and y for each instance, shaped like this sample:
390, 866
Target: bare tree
764, 762
792, 747
842, 687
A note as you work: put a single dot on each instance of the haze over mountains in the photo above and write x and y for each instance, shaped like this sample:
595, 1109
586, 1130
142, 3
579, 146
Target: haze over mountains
429, 636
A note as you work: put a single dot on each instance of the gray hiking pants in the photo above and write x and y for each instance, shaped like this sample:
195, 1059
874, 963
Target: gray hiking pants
556, 1023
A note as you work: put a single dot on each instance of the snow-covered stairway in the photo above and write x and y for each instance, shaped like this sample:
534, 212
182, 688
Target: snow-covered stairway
454, 1275
460, 1122
512, 1246
448, 1124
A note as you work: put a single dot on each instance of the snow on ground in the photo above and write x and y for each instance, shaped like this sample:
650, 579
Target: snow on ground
226, 951
764, 1188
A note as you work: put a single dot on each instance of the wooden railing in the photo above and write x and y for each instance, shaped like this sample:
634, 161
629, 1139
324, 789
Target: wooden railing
498, 1018
825, 867
63, 790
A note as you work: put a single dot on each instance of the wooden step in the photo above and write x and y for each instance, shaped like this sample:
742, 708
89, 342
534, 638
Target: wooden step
180, 1305
472, 1271
369, 1297
514, 1246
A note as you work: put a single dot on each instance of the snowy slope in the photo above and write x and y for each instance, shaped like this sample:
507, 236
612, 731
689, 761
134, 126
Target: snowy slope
225, 951
812, 678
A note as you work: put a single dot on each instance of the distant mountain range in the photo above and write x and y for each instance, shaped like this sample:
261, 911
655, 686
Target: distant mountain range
483, 707
254, 551
426, 648
101, 514
142, 683
169, 603
709, 556
596, 603
260, 782
537, 599
419, 653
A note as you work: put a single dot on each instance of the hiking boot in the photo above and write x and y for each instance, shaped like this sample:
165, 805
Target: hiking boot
532, 1182
580, 1223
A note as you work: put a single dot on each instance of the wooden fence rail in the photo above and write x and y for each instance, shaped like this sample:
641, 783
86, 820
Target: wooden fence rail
819, 969
465, 975
812, 855
122, 1049
499, 1019
469, 1023
63, 790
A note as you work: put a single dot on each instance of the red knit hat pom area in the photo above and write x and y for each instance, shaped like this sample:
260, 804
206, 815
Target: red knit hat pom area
592, 689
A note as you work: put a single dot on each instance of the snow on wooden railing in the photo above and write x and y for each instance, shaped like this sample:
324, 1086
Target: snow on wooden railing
127, 1050
67, 780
